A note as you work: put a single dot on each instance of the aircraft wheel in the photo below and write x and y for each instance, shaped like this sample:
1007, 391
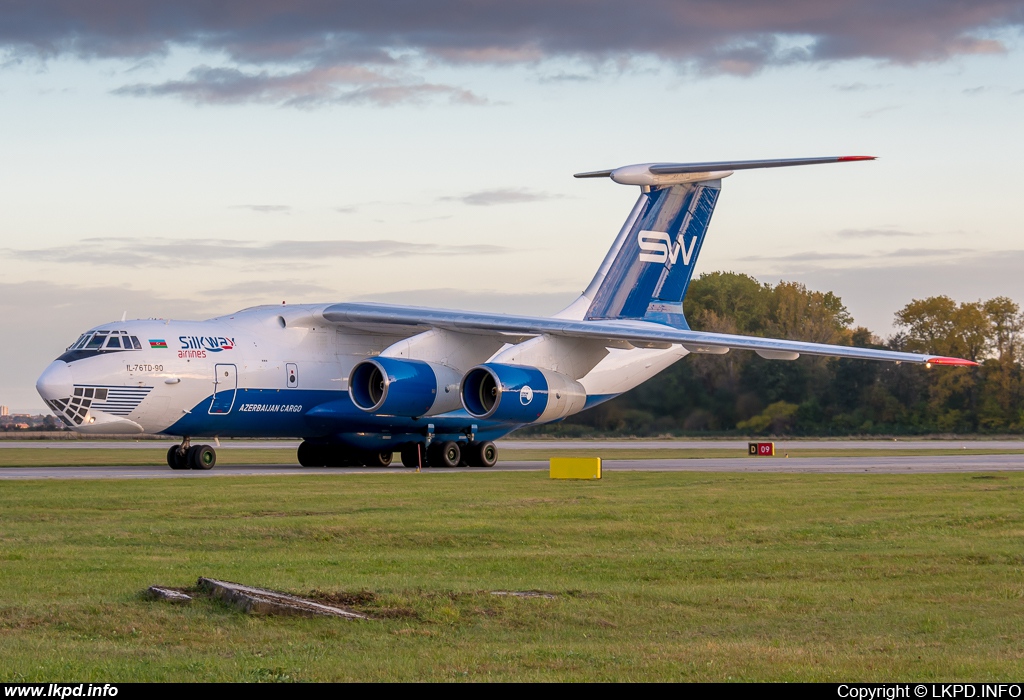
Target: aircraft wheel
176, 459
377, 459
445, 454
481, 454
311, 455
487, 453
411, 455
202, 457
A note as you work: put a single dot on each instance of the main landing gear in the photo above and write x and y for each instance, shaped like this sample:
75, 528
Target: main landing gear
186, 456
448, 454
441, 453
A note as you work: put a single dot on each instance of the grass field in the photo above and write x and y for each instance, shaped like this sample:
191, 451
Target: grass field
657, 576
63, 456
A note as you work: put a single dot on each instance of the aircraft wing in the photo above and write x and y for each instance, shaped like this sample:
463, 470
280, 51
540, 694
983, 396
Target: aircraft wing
367, 316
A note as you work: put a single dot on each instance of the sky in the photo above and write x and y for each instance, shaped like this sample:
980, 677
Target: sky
187, 159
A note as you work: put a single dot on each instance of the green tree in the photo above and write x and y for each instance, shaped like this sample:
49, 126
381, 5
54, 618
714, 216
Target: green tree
940, 326
716, 296
797, 313
1005, 317
1001, 393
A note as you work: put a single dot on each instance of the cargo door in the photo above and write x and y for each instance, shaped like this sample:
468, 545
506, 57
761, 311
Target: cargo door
225, 384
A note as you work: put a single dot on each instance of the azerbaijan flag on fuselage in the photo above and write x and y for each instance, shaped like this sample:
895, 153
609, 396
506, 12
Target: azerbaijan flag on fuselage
158, 343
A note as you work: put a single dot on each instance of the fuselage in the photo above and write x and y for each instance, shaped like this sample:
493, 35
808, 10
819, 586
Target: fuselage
261, 372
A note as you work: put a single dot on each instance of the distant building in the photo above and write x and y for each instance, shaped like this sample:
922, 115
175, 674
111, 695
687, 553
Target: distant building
4, 411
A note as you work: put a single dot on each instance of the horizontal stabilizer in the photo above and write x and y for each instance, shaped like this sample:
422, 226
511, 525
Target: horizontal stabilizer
651, 174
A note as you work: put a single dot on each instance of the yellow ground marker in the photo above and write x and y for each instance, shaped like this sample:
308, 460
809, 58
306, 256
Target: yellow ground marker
575, 467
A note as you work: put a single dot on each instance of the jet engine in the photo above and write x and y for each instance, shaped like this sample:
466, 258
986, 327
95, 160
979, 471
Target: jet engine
407, 388
520, 394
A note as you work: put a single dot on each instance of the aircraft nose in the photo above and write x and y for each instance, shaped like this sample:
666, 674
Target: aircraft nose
56, 381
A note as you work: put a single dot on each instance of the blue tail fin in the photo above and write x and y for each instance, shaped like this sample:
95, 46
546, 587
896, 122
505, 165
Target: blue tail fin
647, 272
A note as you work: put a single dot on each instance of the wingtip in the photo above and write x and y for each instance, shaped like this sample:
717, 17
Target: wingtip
846, 159
951, 362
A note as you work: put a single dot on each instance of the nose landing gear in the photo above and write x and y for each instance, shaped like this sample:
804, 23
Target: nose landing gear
176, 458
186, 456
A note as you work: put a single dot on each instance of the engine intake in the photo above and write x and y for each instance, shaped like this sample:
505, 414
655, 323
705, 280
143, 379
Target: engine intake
408, 388
520, 394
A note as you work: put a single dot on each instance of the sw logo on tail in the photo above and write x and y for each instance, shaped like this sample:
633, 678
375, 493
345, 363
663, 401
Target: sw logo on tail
660, 249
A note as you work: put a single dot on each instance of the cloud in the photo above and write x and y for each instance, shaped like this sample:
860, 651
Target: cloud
311, 53
928, 252
566, 78
858, 87
307, 88
488, 198
876, 233
146, 64
871, 113
265, 208
163, 252
978, 90
805, 257
874, 259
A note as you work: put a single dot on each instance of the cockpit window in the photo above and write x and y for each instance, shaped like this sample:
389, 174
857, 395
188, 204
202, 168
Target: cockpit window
100, 342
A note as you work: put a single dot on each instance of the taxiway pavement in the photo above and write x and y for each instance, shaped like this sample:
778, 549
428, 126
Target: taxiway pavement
912, 464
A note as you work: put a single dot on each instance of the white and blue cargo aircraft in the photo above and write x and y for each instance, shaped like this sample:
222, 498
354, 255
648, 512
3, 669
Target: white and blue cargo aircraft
358, 381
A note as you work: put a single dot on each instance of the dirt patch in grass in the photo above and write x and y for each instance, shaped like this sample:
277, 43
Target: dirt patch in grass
366, 602
343, 598
431, 606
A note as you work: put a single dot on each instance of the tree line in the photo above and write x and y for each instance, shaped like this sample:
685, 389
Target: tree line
741, 393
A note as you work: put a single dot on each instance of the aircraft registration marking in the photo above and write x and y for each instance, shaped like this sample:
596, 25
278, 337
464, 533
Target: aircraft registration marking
144, 368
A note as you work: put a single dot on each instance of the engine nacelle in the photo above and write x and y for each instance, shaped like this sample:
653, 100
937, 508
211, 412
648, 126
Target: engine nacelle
407, 388
520, 394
